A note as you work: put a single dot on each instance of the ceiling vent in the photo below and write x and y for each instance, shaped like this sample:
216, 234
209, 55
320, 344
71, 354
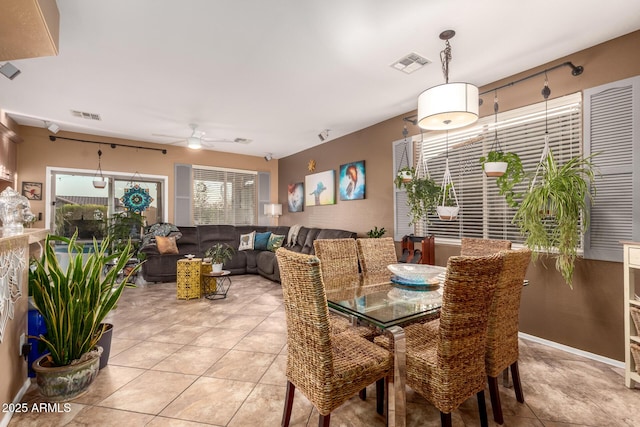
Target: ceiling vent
85, 115
410, 63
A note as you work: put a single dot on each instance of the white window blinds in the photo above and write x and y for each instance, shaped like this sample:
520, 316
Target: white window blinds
224, 196
483, 212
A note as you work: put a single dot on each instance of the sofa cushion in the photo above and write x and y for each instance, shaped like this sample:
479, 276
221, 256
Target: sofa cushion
246, 241
260, 241
275, 241
167, 245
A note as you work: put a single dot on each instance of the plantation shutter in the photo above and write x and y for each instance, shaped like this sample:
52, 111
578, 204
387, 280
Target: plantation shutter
612, 130
483, 211
182, 195
402, 157
224, 196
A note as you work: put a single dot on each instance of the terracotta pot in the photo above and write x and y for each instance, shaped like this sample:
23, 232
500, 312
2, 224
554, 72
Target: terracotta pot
405, 176
495, 169
448, 213
63, 383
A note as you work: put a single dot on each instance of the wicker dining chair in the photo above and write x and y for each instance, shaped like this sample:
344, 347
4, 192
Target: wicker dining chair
502, 333
327, 370
338, 262
375, 254
446, 357
471, 246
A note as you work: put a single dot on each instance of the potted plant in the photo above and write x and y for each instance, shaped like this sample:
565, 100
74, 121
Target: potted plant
404, 175
448, 209
422, 197
512, 173
73, 303
219, 254
376, 233
553, 214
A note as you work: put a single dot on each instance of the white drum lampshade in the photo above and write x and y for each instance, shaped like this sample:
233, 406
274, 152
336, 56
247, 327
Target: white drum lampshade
273, 209
448, 106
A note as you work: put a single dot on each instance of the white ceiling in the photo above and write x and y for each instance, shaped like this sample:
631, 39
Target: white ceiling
280, 71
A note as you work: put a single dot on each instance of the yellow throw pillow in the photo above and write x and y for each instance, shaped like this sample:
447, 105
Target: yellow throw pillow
166, 245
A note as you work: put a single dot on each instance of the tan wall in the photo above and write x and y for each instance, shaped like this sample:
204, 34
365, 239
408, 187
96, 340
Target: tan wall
37, 152
589, 317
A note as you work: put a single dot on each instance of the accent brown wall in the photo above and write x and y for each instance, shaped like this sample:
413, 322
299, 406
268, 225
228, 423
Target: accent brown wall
590, 316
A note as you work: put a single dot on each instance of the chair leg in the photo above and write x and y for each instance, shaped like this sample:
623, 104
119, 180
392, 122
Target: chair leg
445, 419
517, 386
494, 394
324, 420
288, 404
482, 408
363, 394
380, 396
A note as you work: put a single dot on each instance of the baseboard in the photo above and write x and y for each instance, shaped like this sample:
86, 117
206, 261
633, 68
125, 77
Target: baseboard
4, 422
592, 356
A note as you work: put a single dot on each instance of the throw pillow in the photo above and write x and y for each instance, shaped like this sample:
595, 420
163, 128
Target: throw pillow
246, 241
261, 240
167, 245
275, 241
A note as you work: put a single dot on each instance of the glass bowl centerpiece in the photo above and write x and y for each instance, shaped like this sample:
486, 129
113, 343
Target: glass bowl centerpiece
416, 274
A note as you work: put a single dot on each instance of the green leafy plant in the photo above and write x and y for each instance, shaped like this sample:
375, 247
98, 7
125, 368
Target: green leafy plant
400, 179
122, 228
422, 197
512, 177
219, 253
74, 301
376, 233
551, 212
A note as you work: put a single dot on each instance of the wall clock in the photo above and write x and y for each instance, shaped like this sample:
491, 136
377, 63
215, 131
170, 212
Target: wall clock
32, 190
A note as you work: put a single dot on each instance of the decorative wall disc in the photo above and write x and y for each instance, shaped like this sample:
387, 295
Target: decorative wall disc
136, 199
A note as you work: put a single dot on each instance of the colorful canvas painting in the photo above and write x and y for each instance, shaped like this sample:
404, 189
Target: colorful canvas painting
320, 188
295, 196
351, 183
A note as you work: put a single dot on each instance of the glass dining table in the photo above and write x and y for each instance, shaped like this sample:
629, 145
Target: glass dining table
379, 302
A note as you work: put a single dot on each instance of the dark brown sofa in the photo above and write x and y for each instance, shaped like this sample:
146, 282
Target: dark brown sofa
196, 240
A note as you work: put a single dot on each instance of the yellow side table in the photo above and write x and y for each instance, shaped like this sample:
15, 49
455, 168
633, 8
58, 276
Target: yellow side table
188, 280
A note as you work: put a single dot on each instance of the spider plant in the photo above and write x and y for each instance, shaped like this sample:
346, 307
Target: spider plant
553, 214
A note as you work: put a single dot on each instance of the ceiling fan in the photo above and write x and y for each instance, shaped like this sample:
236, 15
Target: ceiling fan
197, 138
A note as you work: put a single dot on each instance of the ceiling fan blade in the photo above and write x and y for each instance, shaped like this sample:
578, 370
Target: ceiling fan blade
162, 135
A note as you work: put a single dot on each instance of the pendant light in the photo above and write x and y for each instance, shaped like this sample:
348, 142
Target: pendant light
99, 182
451, 105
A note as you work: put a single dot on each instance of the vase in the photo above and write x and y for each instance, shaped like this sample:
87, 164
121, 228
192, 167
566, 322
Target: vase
105, 343
64, 383
495, 169
448, 213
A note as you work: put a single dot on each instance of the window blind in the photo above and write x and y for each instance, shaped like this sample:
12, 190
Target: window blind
483, 211
224, 196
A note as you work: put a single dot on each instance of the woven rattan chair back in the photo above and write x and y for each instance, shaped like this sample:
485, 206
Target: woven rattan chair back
455, 371
327, 371
481, 247
338, 262
502, 331
375, 254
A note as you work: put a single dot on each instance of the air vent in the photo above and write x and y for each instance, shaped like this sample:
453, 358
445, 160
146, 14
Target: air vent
85, 115
410, 63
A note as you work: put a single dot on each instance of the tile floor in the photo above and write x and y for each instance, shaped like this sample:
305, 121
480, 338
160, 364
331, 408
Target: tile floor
222, 363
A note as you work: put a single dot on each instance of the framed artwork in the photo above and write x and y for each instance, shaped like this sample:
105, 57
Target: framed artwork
295, 196
32, 190
352, 181
320, 188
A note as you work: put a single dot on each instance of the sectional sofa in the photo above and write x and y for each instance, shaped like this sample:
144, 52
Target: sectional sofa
196, 240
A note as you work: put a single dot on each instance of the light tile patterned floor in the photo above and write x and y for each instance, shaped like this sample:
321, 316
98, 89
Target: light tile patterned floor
222, 363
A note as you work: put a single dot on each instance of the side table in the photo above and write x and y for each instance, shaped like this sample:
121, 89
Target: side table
188, 284
216, 285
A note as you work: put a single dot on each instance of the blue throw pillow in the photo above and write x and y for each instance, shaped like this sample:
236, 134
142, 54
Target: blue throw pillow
261, 240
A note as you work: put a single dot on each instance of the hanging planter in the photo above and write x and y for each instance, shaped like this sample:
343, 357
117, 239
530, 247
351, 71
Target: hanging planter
495, 169
405, 174
449, 207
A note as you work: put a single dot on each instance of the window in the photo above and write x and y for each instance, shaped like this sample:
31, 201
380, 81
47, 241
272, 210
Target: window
224, 196
484, 213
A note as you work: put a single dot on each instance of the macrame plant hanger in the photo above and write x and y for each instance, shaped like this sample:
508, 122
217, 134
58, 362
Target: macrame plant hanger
422, 165
404, 175
448, 213
546, 151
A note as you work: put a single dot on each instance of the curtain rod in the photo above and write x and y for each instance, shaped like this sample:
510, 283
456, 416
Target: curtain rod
111, 144
575, 71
